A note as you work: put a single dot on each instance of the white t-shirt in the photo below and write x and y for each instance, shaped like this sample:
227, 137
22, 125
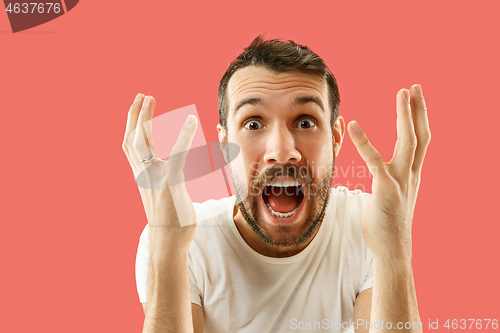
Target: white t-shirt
243, 291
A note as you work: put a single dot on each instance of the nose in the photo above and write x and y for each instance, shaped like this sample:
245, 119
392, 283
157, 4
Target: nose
280, 147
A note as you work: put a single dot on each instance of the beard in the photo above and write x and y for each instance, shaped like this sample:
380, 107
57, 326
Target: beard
281, 235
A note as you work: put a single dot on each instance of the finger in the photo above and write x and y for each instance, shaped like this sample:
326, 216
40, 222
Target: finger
143, 144
181, 147
129, 131
366, 150
175, 176
133, 113
149, 175
406, 143
421, 121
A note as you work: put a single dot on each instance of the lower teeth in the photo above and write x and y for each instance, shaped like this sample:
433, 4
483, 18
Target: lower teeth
278, 214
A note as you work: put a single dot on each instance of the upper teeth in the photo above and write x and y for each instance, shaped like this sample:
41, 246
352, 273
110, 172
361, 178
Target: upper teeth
284, 183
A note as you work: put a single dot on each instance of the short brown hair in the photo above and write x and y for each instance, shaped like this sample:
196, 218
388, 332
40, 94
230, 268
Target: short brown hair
279, 56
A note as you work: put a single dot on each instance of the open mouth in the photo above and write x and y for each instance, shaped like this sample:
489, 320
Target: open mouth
283, 200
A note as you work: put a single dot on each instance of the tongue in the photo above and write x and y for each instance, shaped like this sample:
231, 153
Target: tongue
280, 201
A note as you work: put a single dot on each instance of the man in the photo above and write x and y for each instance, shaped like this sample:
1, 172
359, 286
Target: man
287, 252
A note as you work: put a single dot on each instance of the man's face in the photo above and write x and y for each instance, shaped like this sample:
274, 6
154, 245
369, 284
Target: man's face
281, 123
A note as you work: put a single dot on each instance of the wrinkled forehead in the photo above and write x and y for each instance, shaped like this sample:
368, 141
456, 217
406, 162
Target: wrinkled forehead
261, 82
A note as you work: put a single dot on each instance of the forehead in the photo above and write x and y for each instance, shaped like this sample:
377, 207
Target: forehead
260, 82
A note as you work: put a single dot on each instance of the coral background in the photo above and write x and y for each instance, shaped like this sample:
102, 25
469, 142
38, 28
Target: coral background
71, 213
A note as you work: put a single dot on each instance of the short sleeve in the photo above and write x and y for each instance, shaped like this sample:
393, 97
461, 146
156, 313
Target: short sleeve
195, 291
142, 271
142, 265
367, 280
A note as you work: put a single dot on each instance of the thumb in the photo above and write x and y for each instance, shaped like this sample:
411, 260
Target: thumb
175, 176
365, 149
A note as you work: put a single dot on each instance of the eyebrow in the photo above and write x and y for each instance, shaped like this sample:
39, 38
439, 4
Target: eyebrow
251, 101
300, 100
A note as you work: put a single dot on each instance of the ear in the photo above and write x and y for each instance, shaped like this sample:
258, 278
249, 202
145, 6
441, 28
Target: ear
223, 141
222, 136
338, 134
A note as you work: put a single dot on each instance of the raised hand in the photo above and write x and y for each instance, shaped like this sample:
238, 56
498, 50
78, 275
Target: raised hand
388, 216
169, 210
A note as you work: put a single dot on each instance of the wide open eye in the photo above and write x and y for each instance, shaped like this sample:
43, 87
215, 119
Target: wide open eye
253, 125
306, 123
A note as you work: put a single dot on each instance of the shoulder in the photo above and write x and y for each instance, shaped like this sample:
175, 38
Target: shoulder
209, 213
346, 212
213, 210
347, 230
213, 218
213, 235
349, 200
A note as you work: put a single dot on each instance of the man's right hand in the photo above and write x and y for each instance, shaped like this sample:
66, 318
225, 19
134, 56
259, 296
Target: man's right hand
171, 219
169, 210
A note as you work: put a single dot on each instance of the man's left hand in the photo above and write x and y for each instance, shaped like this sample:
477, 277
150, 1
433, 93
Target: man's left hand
388, 216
